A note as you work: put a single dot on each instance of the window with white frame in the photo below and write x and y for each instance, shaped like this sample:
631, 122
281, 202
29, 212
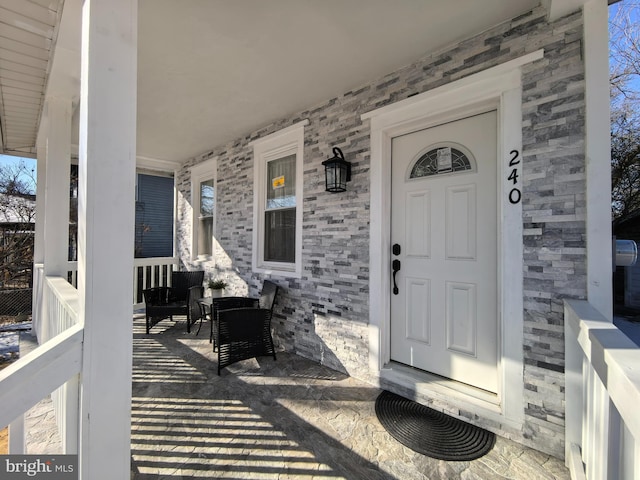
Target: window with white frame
277, 219
203, 184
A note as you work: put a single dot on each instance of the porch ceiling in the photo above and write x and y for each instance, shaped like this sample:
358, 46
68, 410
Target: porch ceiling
210, 71
28, 32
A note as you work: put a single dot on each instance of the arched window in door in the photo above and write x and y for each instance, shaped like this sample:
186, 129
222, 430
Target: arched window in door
442, 158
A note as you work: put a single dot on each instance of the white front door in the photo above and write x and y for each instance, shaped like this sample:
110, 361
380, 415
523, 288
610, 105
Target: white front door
444, 314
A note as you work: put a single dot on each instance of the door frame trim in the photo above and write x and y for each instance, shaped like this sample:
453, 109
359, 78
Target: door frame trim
497, 88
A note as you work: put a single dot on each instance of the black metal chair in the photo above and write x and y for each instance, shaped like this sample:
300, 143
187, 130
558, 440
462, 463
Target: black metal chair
241, 326
179, 299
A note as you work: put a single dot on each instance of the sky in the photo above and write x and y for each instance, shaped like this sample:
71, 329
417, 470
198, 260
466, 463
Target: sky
633, 7
30, 163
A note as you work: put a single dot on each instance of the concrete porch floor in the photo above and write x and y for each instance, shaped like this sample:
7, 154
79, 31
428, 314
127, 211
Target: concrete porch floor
288, 419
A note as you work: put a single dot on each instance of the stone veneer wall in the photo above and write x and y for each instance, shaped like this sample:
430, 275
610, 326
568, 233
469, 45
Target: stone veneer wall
324, 315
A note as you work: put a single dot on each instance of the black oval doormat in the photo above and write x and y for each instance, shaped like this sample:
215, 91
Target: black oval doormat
432, 433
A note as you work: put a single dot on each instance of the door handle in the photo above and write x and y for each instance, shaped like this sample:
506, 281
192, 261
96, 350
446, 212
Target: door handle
396, 269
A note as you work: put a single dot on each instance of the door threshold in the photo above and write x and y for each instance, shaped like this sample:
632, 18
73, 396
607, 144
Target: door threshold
455, 396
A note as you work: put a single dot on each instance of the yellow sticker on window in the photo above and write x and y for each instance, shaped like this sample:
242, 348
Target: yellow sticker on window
278, 182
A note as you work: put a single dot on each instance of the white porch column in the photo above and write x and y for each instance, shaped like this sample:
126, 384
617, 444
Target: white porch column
598, 157
106, 206
41, 169
56, 247
56, 195
38, 245
17, 437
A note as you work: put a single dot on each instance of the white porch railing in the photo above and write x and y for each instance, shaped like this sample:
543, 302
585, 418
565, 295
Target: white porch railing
72, 273
147, 273
61, 301
55, 322
55, 365
602, 397
36, 306
151, 272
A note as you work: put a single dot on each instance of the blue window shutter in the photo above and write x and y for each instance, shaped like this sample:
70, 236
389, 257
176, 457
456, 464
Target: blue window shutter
154, 217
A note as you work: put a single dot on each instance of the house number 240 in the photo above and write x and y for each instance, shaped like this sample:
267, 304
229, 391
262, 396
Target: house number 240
515, 195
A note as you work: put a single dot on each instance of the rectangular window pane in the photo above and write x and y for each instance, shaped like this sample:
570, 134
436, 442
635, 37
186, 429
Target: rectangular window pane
206, 198
280, 235
205, 236
205, 227
281, 183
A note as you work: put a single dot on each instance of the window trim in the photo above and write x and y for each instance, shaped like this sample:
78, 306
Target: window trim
207, 170
288, 141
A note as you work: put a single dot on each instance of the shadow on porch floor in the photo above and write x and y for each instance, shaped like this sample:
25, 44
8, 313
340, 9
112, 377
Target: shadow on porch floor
290, 418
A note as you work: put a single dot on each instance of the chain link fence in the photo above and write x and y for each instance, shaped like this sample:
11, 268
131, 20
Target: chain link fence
16, 292
16, 270
16, 303
16, 298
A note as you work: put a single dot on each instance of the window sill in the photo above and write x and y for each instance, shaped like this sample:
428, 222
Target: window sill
280, 271
203, 259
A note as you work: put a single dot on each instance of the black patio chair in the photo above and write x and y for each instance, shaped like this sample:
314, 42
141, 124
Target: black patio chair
266, 300
241, 326
182, 281
179, 299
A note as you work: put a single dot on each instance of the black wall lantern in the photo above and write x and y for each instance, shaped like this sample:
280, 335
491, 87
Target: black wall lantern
337, 172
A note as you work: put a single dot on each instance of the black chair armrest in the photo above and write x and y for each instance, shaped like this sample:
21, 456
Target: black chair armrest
193, 295
226, 303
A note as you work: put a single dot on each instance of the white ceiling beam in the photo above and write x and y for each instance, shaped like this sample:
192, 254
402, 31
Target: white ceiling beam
158, 164
559, 8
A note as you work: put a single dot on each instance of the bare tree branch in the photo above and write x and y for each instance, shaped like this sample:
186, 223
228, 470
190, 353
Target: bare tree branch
624, 79
17, 216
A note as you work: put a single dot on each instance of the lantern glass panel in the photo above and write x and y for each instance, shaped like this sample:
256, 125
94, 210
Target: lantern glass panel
341, 176
336, 177
330, 172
